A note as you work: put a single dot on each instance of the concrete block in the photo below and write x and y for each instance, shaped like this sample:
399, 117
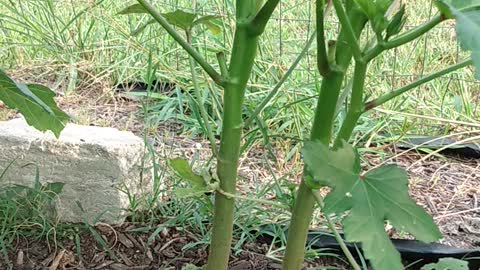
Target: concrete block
97, 165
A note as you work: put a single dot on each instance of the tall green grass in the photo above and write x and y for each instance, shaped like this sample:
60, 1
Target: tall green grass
87, 40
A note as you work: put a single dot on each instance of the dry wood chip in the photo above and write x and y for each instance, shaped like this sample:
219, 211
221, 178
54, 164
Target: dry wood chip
125, 241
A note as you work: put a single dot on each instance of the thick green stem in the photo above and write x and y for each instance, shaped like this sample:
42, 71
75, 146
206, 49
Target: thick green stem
321, 131
298, 229
347, 27
241, 63
260, 21
178, 38
380, 100
355, 109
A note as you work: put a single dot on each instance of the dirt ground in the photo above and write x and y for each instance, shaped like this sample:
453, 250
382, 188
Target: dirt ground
132, 250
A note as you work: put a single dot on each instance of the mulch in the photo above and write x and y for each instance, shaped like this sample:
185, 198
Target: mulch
132, 250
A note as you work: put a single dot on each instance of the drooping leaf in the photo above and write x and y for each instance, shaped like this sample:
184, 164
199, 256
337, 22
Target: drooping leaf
182, 168
132, 9
447, 264
371, 199
35, 102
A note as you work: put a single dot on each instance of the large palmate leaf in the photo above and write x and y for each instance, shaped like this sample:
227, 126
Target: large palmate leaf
35, 103
371, 199
179, 18
467, 16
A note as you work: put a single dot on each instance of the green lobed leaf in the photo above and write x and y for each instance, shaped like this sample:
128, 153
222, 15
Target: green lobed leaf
371, 199
35, 102
338, 163
447, 264
181, 19
182, 168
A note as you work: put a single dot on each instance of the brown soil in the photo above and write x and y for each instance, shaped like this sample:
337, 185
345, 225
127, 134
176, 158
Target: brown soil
132, 250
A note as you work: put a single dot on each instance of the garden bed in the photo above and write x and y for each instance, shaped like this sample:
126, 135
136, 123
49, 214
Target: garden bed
448, 188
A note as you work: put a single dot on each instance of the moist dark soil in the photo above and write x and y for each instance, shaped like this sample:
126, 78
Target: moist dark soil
131, 249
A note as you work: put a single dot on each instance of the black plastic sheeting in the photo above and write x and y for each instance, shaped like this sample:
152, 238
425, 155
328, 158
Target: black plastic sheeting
140, 86
452, 147
414, 253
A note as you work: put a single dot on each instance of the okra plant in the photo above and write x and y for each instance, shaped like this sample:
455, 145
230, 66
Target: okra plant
364, 200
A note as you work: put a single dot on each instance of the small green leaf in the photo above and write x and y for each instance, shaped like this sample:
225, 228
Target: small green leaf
133, 9
182, 168
371, 199
447, 264
35, 103
181, 19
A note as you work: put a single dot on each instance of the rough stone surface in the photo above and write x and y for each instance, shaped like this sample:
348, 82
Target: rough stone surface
97, 165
